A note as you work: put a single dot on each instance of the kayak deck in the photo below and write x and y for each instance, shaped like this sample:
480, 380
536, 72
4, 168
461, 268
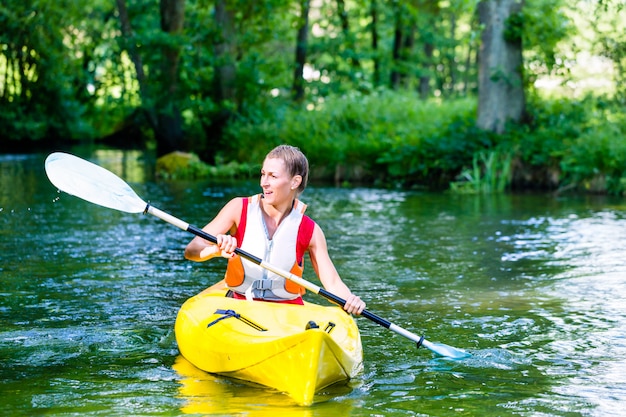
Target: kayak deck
295, 349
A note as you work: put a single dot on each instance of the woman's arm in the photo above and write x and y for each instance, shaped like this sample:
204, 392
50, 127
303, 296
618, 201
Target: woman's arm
226, 221
328, 275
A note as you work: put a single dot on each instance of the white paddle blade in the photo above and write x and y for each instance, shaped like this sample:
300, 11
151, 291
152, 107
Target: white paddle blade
92, 183
445, 350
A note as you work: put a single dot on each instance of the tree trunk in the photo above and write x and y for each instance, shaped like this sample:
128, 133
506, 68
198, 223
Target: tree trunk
347, 35
424, 80
450, 55
429, 27
164, 116
396, 51
403, 43
225, 67
170, 135
301, 48
224, 93
374, 32
500, 88
127, 35
408, 45
466, 74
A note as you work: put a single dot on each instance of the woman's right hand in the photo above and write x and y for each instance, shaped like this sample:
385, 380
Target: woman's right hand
227, 245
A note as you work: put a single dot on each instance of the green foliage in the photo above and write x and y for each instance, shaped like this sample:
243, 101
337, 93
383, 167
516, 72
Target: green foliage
490, 173
387, 137
65, 73
18, 126
545, 24
596, 160
571, 144
514, 27
349, 130
180, 165
47, 55
188, 166
554, 124
396, 139
440, 141
610, 24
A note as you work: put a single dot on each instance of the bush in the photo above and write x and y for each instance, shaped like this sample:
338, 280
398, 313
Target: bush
579, 144
596, 161
181, 165
393, 138
382, 137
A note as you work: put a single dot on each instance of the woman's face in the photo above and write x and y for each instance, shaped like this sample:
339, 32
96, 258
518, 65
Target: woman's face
277, 183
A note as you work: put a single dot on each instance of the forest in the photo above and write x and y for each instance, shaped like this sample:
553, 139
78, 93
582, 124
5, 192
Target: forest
462, 95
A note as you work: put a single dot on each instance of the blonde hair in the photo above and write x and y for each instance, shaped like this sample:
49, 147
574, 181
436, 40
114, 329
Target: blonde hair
295, 160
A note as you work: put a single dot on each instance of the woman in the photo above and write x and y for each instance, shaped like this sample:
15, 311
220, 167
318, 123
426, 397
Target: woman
272, 226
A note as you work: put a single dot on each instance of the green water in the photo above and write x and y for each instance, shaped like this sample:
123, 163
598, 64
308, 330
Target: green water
532, 285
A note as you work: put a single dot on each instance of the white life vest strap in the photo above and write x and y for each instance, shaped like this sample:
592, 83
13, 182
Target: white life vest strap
258, 288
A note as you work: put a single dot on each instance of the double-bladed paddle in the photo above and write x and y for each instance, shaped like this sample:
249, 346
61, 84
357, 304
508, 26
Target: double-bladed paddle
97, 185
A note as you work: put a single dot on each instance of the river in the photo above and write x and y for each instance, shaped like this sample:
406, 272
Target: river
533, 286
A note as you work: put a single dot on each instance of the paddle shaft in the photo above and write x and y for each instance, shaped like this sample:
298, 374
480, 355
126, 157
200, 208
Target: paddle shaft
287, 275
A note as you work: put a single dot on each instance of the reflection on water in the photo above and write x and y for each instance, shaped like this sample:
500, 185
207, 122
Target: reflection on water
533, 286
206, 394
132, 166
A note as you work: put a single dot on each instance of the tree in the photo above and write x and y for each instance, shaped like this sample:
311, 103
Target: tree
501, 92
428, 28
130, 45
159, 95
224, 83
169, 134
43, 89
348, 36
403, 42
374, 35
301, 48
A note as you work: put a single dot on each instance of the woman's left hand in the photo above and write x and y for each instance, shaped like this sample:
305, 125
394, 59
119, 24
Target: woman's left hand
354, 304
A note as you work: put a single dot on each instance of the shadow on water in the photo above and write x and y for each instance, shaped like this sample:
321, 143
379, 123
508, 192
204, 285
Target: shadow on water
532, 285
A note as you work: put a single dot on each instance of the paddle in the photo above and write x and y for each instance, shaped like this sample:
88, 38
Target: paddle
97, 185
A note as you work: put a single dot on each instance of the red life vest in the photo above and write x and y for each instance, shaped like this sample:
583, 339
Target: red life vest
285, 251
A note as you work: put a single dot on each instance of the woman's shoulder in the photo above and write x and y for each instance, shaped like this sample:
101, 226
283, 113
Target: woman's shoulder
234, 207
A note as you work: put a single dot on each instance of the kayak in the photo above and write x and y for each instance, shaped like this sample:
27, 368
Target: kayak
295, 349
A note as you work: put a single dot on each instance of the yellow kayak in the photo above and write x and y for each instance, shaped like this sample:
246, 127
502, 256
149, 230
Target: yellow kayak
295, 349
